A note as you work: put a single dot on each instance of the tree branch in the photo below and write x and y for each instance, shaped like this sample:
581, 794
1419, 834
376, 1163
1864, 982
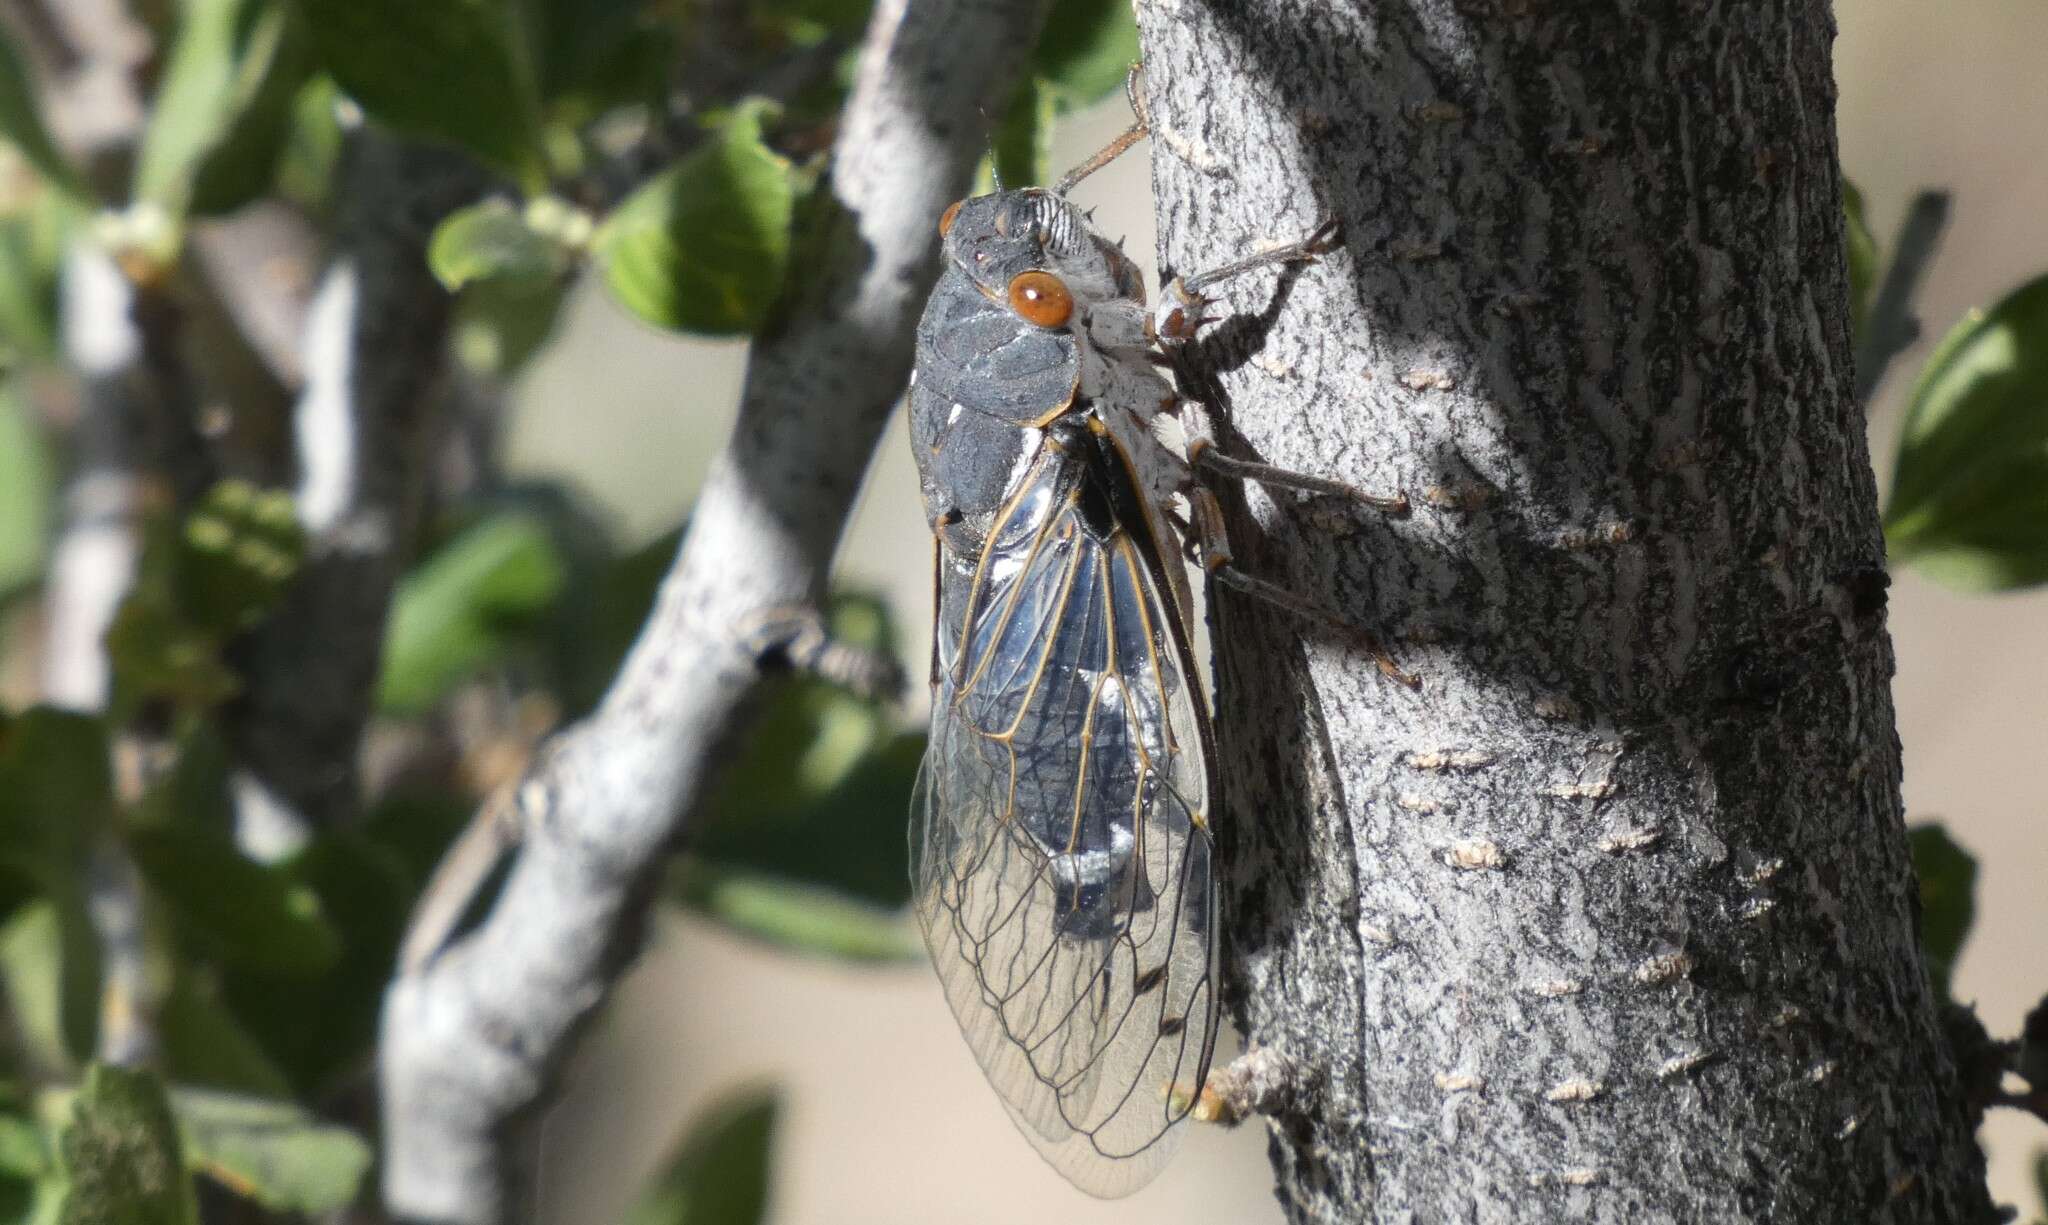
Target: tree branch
93, 559
366, 422
471, 1036
1892, 326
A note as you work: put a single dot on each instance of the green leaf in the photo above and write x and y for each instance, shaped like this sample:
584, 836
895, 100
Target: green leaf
21, 124
847, 836
56, 802
312, 148
601, 54
491, 240
1862, 256
25, 490
501, 323
247, 913
50, 969
200, 582
241, 546
1087, 49
451, 70
704, 246
203, 1044
122, 1153
223, 111
808, 20
476, 597
1023, 141
322, 1032
55, 792
1969, 500
24, 1148
1948, 904
719, 1175
33, 241
272, 1152
793, 916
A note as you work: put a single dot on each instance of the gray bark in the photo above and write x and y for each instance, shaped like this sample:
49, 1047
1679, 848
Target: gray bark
1612, 919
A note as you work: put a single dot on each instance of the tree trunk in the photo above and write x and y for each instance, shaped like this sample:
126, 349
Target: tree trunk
1612, 918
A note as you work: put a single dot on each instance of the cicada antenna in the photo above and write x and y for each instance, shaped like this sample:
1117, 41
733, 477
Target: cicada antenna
1141, 126
988, 140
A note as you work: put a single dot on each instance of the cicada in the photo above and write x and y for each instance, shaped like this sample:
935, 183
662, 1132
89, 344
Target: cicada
1061, 830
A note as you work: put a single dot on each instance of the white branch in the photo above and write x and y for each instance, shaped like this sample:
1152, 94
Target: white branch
471, 1036
94, 558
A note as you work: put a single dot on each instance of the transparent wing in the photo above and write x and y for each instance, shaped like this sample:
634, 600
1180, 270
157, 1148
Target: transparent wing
1062, 848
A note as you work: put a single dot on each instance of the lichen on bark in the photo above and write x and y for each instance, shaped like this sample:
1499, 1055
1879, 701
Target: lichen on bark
1612, 919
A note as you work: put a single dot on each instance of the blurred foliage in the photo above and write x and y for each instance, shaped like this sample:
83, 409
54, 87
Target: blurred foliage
224, 106
471, 603
25, 493
460, 72
1948, 900
34, 230
492, 240
1862, 256
719, 1174
703, 247
202, 581
1086, 51
1023, 140
1084, 56
120, 1156
22, 127
1969, 497
272, 1152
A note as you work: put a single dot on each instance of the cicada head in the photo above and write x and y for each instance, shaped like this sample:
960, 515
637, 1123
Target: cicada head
1034, 250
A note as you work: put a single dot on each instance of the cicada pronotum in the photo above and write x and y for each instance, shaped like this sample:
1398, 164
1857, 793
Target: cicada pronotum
1061, 829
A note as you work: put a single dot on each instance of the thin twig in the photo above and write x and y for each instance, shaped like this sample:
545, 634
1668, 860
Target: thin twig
1892, 326
471, 1037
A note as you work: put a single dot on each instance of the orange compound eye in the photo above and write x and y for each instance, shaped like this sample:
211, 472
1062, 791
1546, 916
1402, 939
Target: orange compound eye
1041, 298
947, 218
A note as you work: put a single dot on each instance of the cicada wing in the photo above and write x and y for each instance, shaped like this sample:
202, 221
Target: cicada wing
1063, 875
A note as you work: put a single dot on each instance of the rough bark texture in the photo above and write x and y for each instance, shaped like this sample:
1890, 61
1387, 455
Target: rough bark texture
1612, 919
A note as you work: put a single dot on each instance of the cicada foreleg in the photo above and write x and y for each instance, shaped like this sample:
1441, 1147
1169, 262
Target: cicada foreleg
1216, 559
1181, 301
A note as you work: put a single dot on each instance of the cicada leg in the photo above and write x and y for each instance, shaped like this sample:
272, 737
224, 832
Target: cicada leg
1202, 453
795, 637
1217, 560
1179, 313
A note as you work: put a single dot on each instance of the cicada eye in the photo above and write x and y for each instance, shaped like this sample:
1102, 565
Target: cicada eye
947, 218
1041, 298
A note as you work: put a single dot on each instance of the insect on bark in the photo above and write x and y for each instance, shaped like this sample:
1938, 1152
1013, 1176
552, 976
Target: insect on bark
1060, 832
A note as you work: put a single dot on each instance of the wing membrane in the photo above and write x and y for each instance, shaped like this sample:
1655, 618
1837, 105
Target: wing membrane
1062, 848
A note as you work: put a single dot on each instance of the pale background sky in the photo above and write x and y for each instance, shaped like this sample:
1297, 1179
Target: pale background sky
886, 1118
